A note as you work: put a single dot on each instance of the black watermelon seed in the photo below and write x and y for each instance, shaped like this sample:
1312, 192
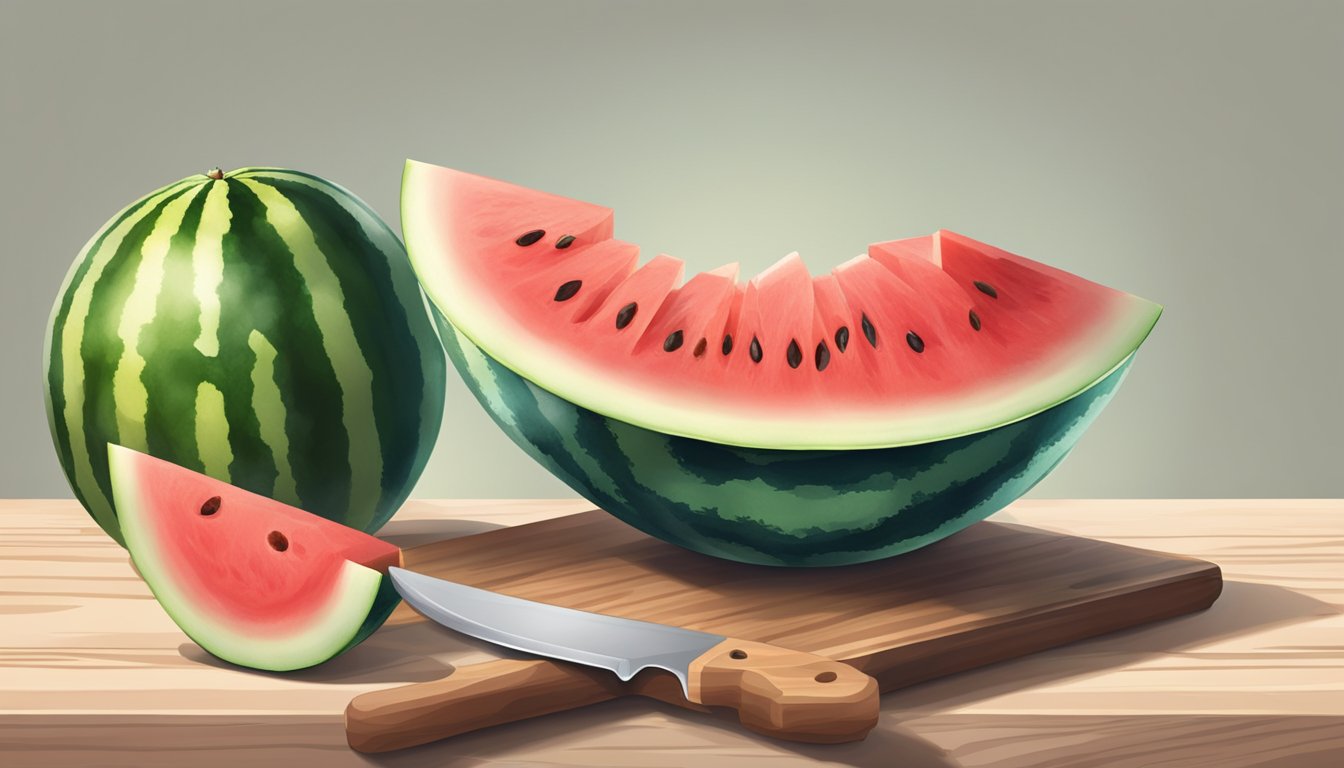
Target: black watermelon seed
975, 320
700, 347
986, 289
626, 314
278, 541
842, 338
914, 341
794, 354
567, 291
823, 356
530, 237
210, 507
755, 350
564, 242
672, 342
869, 331
727, 343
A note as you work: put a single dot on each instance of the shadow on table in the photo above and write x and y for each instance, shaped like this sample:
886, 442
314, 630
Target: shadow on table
393, 655
413, 533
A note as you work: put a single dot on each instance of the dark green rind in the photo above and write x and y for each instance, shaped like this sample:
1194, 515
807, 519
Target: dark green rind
388, 339
777, 507
262, 291
406, 447
175, 314
55, 397
270, 295
100, 349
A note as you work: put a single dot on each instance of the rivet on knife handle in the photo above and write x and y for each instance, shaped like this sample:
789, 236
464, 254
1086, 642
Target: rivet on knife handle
787, 694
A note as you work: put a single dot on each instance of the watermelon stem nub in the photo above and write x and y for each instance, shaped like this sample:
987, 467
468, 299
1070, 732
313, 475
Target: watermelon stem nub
215, 173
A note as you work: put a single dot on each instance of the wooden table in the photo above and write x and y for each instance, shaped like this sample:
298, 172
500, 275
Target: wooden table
93, 673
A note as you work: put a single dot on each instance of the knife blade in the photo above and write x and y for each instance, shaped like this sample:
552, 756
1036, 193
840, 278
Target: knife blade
776, 691
624, 646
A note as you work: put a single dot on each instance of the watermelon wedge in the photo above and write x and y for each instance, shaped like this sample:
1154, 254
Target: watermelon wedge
253, 581
794, 419
920, 340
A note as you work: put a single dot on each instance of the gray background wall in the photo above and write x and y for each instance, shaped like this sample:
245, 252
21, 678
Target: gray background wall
1189, 152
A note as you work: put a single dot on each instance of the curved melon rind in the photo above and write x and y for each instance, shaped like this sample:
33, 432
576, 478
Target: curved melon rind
358, 604
778, 507
439, 205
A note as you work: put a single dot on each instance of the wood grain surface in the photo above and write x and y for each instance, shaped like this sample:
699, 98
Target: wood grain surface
93, 673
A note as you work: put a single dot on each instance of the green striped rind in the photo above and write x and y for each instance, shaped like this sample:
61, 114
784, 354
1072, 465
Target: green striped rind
770, 506
264, 328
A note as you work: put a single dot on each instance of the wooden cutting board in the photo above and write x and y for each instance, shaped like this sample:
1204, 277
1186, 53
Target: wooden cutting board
992, 592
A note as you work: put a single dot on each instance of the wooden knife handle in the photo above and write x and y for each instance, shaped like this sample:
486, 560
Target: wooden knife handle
786, 694
470, 698
775, 692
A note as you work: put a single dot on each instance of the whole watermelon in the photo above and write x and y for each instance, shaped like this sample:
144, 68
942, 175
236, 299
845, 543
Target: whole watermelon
262, 326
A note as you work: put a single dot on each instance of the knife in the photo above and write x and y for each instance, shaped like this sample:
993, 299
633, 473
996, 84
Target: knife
783, 693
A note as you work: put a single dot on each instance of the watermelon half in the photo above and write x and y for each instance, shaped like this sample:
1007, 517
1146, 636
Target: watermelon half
251, 580
789, 420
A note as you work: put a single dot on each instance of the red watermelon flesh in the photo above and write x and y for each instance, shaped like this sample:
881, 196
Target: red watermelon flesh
634, 302
251, 580
693, 314
599, 268
920, 340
